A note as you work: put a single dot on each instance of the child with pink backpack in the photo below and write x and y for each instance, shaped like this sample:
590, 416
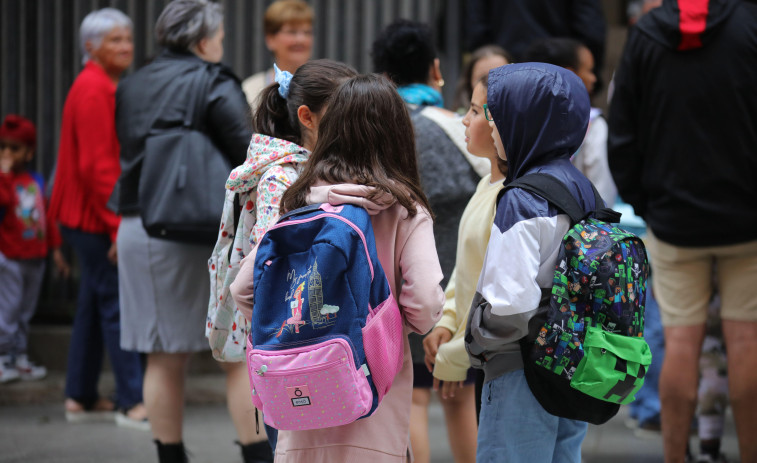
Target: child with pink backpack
366, 156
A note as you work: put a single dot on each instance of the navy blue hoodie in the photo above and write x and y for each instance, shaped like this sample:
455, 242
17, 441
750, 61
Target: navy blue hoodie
541, 112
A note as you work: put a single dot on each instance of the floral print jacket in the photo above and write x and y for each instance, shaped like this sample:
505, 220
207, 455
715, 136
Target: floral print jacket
272, 165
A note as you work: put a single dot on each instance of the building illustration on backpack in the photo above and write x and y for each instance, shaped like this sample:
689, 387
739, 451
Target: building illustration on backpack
321, 315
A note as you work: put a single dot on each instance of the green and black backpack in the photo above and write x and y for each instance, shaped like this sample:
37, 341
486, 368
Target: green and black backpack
585, 353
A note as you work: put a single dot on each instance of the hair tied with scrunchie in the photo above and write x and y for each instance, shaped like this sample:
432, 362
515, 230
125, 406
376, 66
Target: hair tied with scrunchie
283, 78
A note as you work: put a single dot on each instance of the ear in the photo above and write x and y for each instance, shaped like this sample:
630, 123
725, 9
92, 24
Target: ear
306, 117
201, 46
29, 155
89, 47
269, 42
435, 73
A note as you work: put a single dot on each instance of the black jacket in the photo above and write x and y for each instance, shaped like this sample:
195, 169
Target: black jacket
682, 141
516, 24
157, 96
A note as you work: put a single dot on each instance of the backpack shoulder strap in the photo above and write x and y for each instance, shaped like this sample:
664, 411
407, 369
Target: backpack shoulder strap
557, 194
553, 191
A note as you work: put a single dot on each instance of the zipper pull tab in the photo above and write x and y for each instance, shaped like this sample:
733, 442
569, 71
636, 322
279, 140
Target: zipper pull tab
262, 370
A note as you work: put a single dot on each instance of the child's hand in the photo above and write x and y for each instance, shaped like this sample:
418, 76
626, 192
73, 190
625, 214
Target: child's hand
431, 343
60, 264
448, 387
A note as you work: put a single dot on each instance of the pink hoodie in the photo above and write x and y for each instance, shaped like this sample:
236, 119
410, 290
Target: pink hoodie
407, 253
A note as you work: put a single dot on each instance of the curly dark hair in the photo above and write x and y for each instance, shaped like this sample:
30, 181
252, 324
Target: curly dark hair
404, 51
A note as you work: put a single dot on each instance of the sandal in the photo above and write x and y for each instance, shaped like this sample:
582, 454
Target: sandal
134, 418
102, 410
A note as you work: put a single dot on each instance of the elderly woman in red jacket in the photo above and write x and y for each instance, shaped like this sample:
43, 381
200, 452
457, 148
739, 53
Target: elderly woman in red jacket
87, 170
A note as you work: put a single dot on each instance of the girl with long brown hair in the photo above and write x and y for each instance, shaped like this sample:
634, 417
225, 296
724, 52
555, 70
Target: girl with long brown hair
365, 155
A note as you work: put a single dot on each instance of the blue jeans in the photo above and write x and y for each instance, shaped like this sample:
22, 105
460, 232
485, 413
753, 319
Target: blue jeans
97, 322
646, 407
514, 428
273, 437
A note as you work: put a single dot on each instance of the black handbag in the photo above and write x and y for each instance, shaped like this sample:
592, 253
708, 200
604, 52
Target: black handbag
183, 178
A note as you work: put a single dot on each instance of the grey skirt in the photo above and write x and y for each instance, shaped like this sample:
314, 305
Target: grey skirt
163, 290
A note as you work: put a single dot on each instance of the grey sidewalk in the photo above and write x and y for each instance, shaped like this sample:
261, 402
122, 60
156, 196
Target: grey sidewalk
33, 429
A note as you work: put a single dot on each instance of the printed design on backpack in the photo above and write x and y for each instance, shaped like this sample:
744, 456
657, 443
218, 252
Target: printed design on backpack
321, 315
253, 194
593, 334
326, 336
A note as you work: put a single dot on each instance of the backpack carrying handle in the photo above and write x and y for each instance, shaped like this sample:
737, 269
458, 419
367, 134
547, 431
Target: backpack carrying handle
557, 194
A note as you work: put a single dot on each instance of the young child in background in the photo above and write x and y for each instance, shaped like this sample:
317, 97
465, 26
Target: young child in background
366, 156
26, 238
444, 346
539, 114
591, 156
477, 66
286, 127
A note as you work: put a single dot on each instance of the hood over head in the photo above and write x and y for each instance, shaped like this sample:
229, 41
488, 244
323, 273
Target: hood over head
686, 24
541, 112
263, 153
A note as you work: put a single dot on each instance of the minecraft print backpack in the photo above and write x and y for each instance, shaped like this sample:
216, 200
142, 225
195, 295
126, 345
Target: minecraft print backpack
585, 353
326, 335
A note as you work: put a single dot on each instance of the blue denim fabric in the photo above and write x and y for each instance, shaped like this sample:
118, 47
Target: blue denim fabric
646, 407
514, 428
273, 437
97, 322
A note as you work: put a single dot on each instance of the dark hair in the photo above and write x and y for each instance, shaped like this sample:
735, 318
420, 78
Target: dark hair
312, 86
465, 85
404, 51
366, 138
560, 51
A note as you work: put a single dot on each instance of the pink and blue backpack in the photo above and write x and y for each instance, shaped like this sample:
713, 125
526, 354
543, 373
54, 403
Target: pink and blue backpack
326, 339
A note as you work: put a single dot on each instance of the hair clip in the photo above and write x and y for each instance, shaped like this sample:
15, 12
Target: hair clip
283, 78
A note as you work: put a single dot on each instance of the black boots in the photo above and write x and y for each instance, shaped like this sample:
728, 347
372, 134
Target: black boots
259, 452
171, 453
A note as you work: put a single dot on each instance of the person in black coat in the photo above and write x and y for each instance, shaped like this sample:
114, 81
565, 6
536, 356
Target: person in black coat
164, 283
682, 149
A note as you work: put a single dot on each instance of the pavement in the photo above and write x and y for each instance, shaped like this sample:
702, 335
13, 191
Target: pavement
33, 427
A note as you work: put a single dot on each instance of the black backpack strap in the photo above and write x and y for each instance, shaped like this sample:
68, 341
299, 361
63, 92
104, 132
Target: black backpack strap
300, 211
557, 194
237, 214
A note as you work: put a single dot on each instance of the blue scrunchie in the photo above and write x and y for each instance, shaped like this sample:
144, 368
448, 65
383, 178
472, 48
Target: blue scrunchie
283, 78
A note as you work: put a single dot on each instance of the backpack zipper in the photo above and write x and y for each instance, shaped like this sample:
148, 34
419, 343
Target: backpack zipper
263, 370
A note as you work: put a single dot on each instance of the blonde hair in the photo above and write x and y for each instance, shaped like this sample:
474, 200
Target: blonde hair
286, 11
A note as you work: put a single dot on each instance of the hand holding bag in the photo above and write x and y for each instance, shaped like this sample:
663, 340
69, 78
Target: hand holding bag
181, 186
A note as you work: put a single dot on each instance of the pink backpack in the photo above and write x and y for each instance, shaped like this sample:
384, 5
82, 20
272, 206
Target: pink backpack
326, 339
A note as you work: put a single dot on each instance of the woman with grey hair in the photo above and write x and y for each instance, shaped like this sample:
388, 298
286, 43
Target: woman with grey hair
87, 169
163, 282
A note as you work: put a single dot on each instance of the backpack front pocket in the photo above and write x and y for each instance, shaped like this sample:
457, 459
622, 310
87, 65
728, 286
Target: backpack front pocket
309, 387
613, 366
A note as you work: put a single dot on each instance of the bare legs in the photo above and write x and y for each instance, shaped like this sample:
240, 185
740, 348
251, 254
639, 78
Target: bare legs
462, 429
741, 345
240, 404
163, 392
419, 425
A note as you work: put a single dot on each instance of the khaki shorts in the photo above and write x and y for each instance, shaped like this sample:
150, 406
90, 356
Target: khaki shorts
682, 280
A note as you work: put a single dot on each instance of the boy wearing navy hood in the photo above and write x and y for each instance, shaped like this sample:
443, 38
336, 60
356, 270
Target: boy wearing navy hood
539, 114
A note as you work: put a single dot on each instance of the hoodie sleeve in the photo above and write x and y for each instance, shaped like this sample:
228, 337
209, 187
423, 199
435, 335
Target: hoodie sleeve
421, 297
508, 293
624, 153
242, 288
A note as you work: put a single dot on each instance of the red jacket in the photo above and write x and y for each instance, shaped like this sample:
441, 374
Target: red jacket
24, 231
88, 165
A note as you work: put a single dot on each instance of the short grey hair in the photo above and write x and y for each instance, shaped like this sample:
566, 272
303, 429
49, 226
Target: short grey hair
184, 23
97, 24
